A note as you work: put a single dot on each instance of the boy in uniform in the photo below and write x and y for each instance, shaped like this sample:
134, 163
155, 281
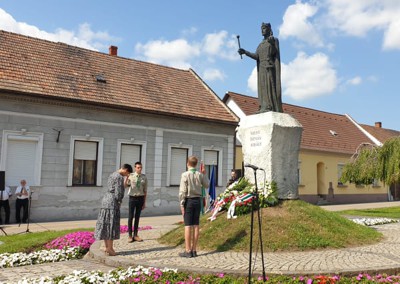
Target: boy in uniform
190, 198
137, 183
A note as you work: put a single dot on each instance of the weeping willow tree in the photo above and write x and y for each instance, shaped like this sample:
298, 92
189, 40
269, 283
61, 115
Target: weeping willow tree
372, 162
389, 161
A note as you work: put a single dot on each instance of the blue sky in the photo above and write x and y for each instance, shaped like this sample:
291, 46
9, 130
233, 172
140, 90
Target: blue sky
337, 56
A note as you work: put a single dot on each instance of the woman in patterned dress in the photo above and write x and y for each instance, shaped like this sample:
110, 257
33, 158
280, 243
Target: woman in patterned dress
108, 221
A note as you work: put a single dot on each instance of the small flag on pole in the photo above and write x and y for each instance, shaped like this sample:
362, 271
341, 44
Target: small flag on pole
211, 189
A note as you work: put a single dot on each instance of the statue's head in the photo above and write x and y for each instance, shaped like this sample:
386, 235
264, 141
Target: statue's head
266, 29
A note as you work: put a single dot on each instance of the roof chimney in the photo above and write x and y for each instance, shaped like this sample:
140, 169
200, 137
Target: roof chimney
378, 124
113, 50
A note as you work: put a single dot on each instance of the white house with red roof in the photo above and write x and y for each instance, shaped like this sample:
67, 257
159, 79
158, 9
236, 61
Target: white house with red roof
70, 116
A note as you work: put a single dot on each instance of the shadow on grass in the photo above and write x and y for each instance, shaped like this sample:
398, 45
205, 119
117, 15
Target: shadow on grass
231, 242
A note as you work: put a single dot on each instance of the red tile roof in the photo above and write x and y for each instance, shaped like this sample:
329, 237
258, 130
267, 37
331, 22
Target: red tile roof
318, 127
57, 70
382, 134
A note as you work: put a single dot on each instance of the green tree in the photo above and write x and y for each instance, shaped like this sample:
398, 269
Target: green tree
372, 162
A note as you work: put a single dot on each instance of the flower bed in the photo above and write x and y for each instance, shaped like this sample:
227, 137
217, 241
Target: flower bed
374, 221
37, 257
82, 239
76, 239
70, 246
169, 276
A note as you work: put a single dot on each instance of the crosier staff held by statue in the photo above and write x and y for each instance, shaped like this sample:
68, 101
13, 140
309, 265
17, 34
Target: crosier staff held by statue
238, 38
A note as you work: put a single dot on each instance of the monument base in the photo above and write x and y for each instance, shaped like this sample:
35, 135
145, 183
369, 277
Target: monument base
271, 141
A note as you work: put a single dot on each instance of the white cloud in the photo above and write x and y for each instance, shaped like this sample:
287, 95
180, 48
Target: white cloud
85, 37
219, 44
176, 53
308, 76
391, 39
181, 53
214, 42
296, 24
213, 75
354, 81
305, 77
358, 17
252, 81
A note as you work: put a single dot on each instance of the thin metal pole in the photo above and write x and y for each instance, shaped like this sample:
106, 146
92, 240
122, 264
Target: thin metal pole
260, 236
29, 211
252, 226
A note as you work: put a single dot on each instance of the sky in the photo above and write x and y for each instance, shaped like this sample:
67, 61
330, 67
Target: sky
337, 56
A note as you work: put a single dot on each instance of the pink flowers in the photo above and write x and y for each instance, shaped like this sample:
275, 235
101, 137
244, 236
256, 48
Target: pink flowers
77, 239
81, 239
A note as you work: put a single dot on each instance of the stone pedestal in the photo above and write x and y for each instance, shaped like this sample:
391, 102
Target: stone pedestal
271, 141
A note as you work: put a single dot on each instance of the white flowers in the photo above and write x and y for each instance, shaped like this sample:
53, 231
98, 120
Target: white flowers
43, 256
374, 221
137, 274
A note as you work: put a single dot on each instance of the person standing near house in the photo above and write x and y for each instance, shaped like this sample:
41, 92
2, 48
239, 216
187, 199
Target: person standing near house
108, 221
190, 201
4, 203
233, 178
23, 193
137, 183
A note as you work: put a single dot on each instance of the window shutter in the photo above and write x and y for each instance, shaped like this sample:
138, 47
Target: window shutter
85, 151
130, 154
178, 164
210, 157
21, 157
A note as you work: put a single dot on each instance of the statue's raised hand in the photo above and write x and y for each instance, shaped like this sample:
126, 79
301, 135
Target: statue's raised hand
241, 51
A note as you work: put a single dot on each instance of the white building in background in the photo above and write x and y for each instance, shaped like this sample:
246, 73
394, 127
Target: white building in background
69, 117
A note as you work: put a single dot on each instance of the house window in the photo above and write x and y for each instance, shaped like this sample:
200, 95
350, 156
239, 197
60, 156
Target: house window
86, 161
130, 152
21, 157
340, 172
177, 159
210, 162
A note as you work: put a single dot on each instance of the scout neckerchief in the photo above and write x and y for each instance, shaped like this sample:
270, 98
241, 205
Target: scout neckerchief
193, 170
138, 180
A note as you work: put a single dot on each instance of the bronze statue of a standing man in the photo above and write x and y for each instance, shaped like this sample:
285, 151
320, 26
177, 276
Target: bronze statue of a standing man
269, 71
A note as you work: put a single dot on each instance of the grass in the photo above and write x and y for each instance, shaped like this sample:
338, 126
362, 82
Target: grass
388, 212
32, 241
293, 225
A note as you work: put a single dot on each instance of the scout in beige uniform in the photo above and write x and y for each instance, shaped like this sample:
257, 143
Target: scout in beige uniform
190, 199
137, 183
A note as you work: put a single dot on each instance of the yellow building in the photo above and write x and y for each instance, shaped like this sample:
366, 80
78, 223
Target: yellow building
328, 142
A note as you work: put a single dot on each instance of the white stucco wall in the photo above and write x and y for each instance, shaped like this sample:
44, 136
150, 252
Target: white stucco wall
55, 200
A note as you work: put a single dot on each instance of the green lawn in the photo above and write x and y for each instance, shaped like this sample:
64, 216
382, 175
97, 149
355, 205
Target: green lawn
31, 241
388, 212
290, 226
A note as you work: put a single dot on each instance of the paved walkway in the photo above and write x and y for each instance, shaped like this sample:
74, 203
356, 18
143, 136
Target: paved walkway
381, 257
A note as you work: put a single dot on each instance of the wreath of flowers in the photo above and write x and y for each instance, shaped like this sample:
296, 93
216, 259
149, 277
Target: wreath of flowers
241, 193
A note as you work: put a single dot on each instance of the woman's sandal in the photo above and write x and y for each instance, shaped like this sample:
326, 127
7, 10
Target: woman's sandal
110, 253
